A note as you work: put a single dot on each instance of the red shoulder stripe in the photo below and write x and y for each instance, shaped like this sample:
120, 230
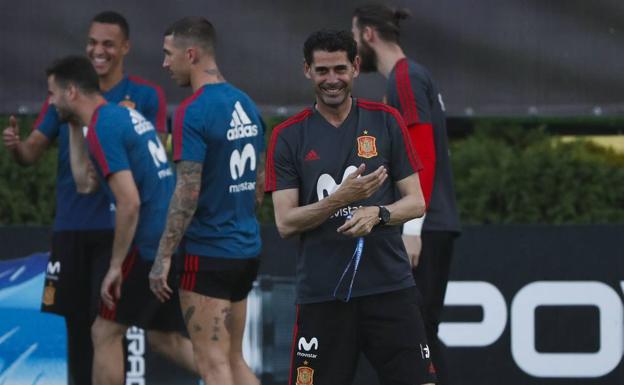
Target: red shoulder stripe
178, 123
270, 179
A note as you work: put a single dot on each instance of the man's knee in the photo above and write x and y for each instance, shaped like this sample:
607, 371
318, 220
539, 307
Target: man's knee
105, 332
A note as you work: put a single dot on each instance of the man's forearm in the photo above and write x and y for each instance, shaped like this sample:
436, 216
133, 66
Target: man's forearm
79, 162
126, 220
407, 208
181, 208
300, 219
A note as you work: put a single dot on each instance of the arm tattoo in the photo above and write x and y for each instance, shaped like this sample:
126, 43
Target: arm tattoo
181, 208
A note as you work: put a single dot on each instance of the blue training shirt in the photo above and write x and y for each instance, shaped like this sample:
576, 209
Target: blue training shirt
75, 211
120, 139
220, 127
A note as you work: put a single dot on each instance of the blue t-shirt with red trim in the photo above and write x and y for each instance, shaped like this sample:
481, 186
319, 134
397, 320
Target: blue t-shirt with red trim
93, 211
220, 127
120, 138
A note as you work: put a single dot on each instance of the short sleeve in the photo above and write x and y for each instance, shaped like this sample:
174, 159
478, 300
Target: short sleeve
188, 136
106, 145
48, 122
408, 92
281, 173
156, 109
405, 160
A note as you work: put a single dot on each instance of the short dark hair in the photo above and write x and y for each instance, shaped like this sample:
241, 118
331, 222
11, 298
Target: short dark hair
384, 19
194, 30
330, 41
112, 17
76, 70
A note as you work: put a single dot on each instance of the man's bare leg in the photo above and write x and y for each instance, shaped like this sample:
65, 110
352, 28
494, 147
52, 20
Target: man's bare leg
108, 358
206, 319
240, 370
173, 346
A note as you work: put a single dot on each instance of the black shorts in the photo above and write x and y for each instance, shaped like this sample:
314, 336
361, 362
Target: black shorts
74, 271
138, 306
224, 278
387, 328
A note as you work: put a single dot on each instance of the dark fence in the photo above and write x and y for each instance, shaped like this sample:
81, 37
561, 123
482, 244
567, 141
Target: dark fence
513, 57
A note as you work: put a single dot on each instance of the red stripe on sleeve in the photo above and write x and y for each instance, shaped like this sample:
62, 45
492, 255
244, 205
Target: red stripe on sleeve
95, 146
421, 136
409, 108
178, 123
161, 113
411, 153
42, 113
270, 178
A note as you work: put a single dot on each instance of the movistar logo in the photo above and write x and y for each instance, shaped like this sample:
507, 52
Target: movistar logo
242, 126
326, 185
238, 161
307, 346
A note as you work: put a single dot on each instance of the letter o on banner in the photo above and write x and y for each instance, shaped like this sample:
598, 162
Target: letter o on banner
571, 293
474, 293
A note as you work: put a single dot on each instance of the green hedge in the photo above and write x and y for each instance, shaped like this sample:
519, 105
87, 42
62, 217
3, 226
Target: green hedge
504, 173
518, 175
27, 194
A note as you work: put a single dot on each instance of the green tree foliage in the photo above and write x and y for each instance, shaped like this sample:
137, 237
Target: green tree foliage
518, 175
27, 194
504, 173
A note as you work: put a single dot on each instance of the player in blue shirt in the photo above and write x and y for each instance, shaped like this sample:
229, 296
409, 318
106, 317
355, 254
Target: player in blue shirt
218, 146
82, 232
132, 164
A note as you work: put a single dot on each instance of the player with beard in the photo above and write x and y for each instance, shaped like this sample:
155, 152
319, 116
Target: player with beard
82, 232
334, 170
412, 91
218, 147
132, 165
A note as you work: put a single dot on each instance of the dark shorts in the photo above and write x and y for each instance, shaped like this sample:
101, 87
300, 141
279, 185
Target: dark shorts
387, 328
138, 306
74, 271
223, 278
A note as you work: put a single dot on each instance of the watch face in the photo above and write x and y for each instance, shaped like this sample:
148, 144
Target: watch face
384, 214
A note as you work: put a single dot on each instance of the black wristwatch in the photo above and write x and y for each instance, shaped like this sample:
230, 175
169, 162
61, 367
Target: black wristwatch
384, 216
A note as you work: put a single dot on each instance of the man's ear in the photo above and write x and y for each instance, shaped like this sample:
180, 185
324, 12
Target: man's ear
368, 34
192, 55
307, 69
356, 66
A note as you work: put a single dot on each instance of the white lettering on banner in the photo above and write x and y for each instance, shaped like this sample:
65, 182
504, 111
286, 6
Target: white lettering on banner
474, 293
522, 324
327, 185
135, 374
571, 293
238, 161
54, 268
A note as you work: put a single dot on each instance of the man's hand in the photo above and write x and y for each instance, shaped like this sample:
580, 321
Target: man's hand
158, 278
356, 187
413, 246
11, 134
111, 287
362, 222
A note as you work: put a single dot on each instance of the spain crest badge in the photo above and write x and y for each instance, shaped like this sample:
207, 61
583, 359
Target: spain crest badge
366, 146
127, 102
305, 375
48, 294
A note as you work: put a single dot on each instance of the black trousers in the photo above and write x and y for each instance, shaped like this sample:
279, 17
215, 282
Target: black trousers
432, 275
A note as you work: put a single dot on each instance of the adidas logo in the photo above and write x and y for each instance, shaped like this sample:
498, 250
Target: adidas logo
312, 155
242, 126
